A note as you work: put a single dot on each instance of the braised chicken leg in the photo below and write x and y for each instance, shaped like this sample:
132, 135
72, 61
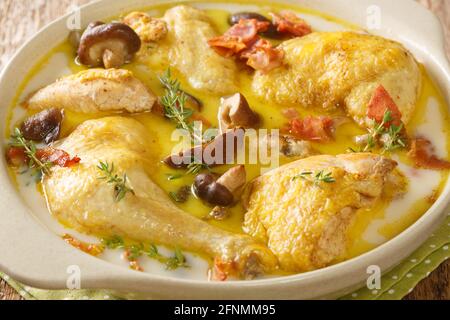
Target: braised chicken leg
304, 209
80, 199
342, 70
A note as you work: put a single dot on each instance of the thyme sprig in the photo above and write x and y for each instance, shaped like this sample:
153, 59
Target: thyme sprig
120, 183
391, 136
135, 251
316, 178
174, 104
40, 167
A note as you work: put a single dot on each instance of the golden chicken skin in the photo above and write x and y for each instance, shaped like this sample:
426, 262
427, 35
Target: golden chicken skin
79, 197
95, 90
189, 52
342, 70
302, 210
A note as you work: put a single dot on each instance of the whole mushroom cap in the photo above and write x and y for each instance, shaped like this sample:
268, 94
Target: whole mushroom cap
207, 189
115, 39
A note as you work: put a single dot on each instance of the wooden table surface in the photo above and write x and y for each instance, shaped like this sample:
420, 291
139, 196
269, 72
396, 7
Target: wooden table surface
20, 19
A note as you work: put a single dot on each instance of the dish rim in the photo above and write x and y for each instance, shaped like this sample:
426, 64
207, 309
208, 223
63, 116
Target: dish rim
421, 229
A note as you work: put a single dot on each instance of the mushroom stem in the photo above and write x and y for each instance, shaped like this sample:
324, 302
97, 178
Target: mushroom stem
113, 59
235, 112
234, 178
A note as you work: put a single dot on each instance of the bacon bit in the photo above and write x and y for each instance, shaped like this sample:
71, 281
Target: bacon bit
247, 29
57, 157
133, 263
262, 56
227, 46
380, 103
16, 156
242, 40
92, 249
199, 117
422, 152
158, 109
290, 113
219, 272
289, 23
238, 37
312, 129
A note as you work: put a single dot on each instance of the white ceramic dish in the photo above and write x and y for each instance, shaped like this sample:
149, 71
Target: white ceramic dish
36, 257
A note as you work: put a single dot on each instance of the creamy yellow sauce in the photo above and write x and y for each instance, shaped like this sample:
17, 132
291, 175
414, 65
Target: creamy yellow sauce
147, 70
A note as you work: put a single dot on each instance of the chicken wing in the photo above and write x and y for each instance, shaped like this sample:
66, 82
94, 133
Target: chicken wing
189, 52
304, 209
95, 90
342, 70
78, 198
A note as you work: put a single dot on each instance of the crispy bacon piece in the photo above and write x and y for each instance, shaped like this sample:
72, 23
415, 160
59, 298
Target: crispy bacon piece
92, 249
317, 129
247, 29
132, 262
289, 23
220, 270
380, 103
16, 156
290, 113
57, 157
202, 119
262, 56
242, 40
423, 154
238, 37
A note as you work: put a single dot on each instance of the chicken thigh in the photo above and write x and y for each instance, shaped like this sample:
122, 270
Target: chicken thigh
189, 52
304, 209
332, 70
95, 90
78, 198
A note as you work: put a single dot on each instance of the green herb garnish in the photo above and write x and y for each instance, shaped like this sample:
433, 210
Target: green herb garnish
317, 178
177, 261
114, 242
181, 195
39, 167
174, 103
120, 183
390, 136
134, 251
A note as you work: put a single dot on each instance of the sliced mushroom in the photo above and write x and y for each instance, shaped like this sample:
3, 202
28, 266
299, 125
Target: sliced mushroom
222, 149
219, 192
291, 147
43, 126
110, 45
235, 112
234, 178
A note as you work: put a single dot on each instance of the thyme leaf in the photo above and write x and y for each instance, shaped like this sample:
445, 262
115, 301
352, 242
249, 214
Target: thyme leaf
39, 167
134, 251
316, 178
174, 104
120, 183
391, 136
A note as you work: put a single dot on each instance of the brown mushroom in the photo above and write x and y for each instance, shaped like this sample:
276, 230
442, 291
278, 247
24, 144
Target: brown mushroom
220, 192
43, 126
219, 148
110, 45
234, 112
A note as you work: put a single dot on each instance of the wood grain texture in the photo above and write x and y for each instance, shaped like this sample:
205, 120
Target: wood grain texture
20, 19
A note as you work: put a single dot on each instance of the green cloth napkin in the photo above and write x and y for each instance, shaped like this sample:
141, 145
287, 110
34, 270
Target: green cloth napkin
394, 285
